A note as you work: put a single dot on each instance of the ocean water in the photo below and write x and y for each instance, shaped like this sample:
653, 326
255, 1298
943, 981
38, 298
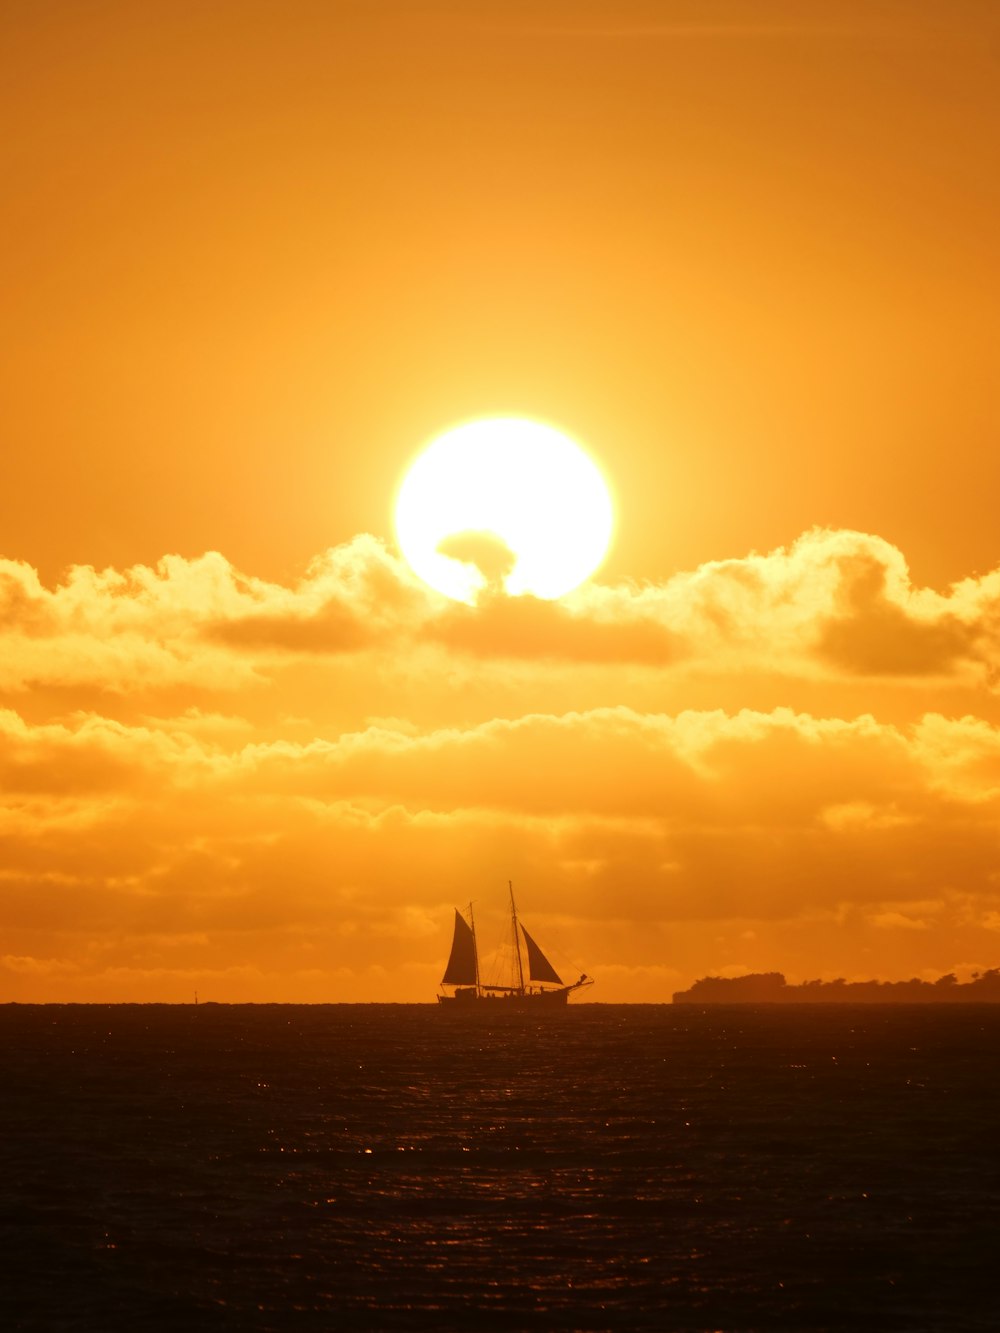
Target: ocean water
399, 1167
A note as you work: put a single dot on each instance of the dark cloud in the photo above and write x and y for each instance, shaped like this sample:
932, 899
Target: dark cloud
873, 635
487, 552
527, 627
334, 628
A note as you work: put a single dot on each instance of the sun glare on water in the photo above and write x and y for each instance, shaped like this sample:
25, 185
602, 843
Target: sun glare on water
505, 504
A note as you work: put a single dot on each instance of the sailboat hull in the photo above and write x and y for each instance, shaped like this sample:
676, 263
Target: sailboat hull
468, 999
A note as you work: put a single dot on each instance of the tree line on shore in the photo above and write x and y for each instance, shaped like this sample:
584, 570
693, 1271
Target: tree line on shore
772, 988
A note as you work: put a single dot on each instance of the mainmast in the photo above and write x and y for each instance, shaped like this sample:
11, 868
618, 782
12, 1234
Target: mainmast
475, 946
517, 941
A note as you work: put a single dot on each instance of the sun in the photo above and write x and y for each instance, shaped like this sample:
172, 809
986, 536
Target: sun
506, 504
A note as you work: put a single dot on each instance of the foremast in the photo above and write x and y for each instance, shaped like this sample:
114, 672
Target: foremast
462, 970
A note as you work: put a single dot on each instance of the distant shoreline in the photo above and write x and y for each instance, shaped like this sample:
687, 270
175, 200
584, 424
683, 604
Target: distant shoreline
772, 988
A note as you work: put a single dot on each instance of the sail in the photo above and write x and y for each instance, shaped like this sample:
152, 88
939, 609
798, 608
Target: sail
461, 969
539, 967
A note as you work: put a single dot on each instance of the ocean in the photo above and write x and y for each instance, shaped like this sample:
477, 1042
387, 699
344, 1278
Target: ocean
632, 1167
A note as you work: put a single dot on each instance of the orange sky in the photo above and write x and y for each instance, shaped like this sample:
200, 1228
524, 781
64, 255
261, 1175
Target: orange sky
254, 256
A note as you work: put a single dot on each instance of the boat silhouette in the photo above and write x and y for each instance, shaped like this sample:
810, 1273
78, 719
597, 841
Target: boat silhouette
533, 984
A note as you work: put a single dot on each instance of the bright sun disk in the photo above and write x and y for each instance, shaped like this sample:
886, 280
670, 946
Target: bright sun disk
503, 502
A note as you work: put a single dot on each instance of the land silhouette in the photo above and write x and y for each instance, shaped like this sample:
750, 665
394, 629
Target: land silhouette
772, 988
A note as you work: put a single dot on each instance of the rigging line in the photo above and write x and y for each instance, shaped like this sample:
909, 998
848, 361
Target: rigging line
562, 958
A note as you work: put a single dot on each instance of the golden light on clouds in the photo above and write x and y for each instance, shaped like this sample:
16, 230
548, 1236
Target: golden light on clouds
507, 503
262, 729
280, 790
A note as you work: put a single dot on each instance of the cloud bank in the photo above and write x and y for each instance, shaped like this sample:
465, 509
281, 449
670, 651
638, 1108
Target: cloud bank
198, 792
833, 604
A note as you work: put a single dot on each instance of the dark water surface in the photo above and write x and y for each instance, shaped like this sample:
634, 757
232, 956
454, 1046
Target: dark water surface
397, 1167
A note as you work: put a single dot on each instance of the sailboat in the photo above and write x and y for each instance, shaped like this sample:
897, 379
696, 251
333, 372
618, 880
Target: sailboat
537, 986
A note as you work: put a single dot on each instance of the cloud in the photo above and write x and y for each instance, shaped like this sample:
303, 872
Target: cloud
897, 921
612, 817
528, 628
196, 622
89, 754
835, 605
205, 772
35, 967
854, 778
875, 631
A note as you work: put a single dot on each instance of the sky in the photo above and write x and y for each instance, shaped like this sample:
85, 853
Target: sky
255, 256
